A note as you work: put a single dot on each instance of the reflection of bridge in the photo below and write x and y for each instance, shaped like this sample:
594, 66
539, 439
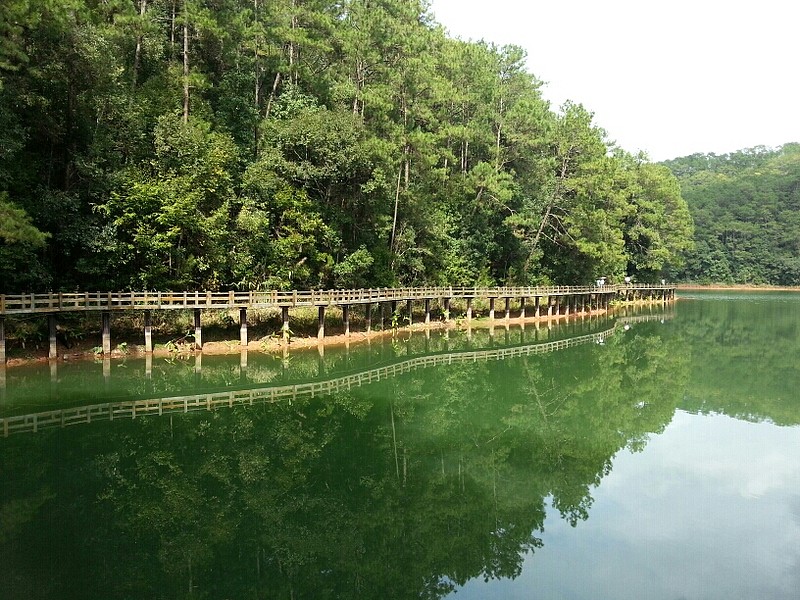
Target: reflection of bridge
230, 398
546, 301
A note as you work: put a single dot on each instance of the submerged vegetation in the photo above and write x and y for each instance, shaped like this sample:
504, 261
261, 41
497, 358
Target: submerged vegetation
226, 144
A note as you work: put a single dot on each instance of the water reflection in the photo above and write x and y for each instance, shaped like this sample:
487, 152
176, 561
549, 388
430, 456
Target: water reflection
407, 485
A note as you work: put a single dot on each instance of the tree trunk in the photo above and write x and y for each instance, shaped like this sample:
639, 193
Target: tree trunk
137, 57
186, 65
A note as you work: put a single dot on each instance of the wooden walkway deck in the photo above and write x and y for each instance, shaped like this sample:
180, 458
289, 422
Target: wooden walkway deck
546, 301
21, 304
32, 423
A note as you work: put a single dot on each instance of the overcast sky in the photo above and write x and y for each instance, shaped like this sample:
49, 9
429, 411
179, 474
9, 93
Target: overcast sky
670, 78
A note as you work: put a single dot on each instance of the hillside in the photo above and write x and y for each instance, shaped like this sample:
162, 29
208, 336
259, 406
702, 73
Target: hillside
746, 210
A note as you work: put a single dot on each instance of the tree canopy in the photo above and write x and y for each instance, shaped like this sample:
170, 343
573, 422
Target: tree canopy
231, 144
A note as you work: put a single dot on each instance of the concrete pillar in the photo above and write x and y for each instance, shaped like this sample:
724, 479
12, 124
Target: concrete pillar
557, 302
198, 364
522, 309
243, 341
106, 318
368, 316
106, 370
549, 306
198, 330
469, 309
285, 324
427, 311
242, 361
568, 301
51, 326
508, 309
446, 307
321, 323
148, 332
148, 365
346, 319
2, 341
410, 311
537, 307
491, 310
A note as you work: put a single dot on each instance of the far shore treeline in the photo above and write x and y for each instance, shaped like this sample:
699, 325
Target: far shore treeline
231, 144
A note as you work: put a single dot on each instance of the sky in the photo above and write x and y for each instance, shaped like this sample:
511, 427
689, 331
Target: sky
669, 78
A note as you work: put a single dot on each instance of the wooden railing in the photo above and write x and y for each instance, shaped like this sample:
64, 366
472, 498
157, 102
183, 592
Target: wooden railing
115, 301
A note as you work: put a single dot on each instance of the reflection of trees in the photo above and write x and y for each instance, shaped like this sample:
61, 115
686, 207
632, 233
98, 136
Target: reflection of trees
353, 495
744, 357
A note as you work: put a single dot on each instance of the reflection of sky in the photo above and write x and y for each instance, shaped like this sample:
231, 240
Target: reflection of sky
710, 509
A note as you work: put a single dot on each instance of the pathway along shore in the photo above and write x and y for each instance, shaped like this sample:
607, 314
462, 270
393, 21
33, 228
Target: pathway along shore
395, 310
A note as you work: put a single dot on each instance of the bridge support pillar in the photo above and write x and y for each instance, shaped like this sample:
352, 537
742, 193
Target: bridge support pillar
368, 316
285, 324
567, 301
522, 309
410, 311
243, 341
198, 330
549, 306
508, 309
491, 309
446, 307
469, 309
51, 328
557, 302
537, 308
427, 311
106, 333
2, 340
346, 319
321, 323
148, 332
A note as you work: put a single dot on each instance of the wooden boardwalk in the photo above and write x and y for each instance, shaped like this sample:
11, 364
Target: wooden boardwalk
32, 423
544, 301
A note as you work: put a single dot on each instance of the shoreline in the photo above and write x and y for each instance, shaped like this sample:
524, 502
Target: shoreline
735, 287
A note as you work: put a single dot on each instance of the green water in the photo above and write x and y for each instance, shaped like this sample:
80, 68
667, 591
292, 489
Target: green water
654, 459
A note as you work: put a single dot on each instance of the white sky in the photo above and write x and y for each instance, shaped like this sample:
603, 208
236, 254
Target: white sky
670, 78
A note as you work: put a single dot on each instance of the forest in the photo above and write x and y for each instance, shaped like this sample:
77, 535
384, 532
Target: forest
746, 210
231, 144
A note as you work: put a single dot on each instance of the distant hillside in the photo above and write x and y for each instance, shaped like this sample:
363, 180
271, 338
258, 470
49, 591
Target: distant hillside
746, 210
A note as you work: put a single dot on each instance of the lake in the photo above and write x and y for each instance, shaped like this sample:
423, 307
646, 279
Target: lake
650, 454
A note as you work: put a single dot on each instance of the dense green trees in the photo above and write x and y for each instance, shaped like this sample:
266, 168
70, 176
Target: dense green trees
250, 144
746, 206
